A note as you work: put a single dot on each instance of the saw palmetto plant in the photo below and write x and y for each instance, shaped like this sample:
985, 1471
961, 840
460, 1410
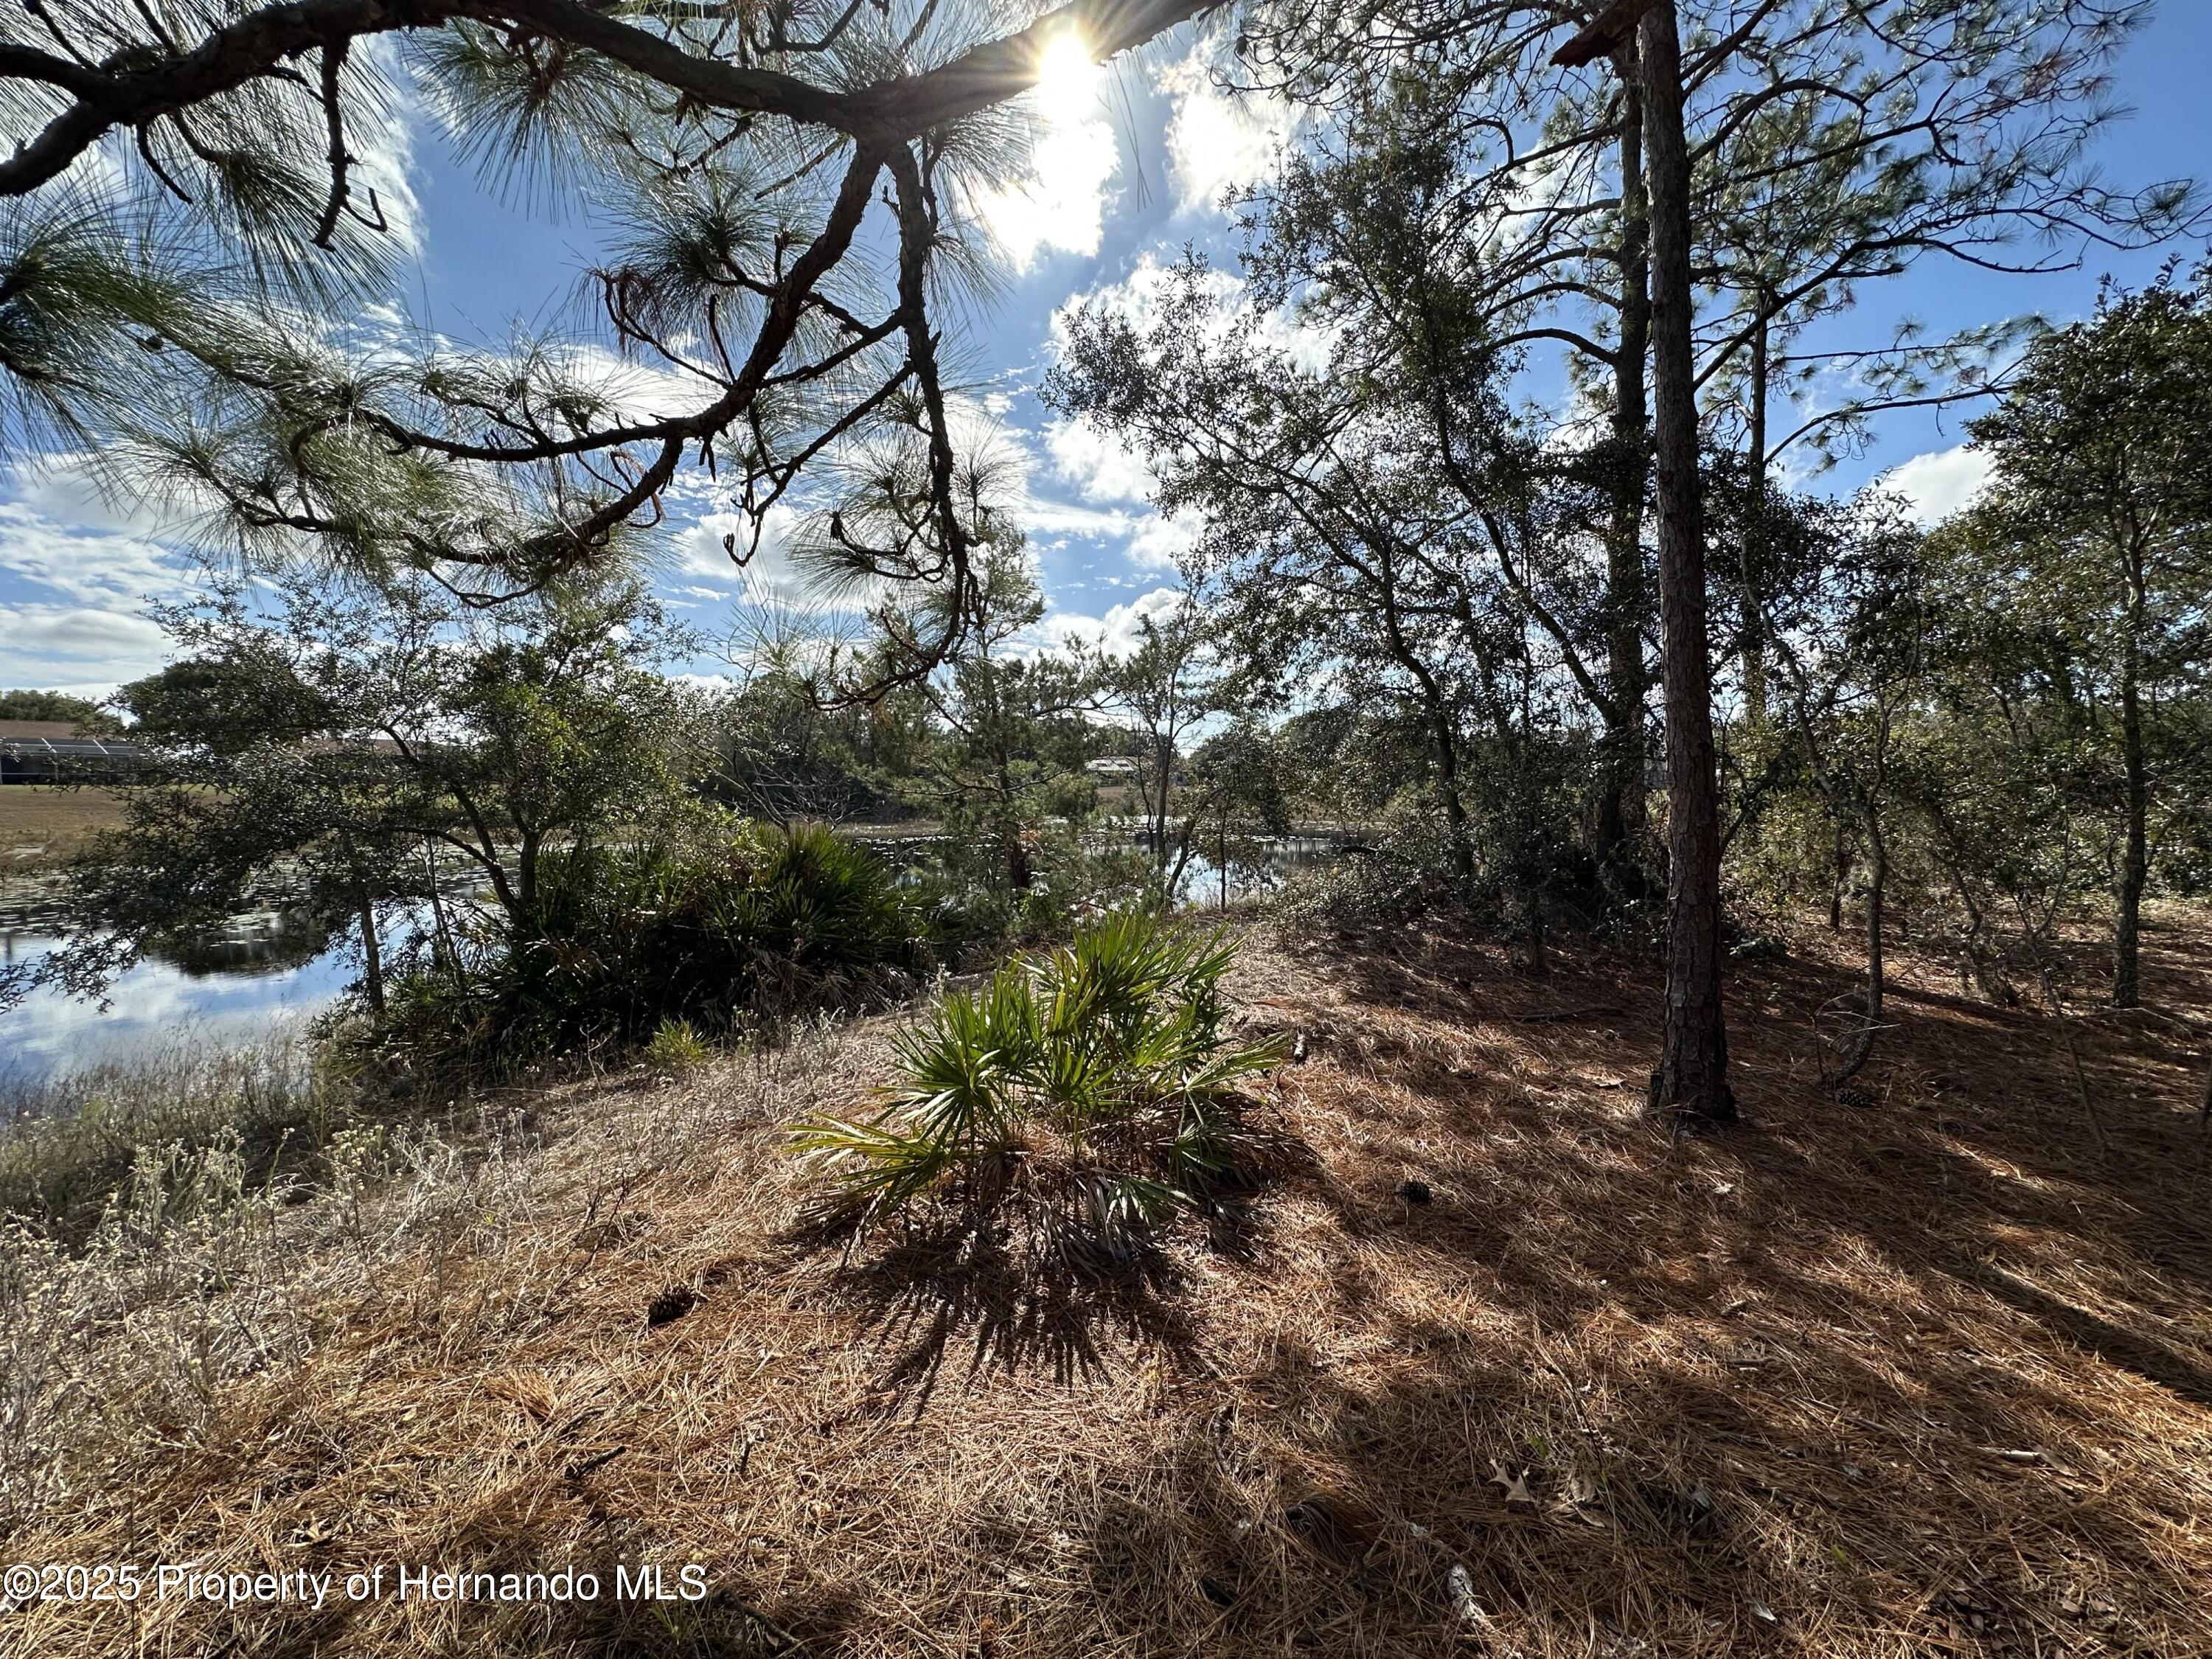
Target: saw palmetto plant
1085, 1095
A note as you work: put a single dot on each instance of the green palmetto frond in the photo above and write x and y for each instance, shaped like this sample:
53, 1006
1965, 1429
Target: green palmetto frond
1111, 1045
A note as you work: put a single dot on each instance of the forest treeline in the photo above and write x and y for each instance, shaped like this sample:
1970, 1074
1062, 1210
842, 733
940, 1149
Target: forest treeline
1499, 446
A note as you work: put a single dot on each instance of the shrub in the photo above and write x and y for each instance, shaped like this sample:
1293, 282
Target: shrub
1406, 871
675, 1047
1091, 1088
1077, 874
66, 1144
618, 941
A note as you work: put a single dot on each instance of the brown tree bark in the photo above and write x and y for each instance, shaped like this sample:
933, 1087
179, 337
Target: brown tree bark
2135, 848
372, 957
1623, 820
1692, 1082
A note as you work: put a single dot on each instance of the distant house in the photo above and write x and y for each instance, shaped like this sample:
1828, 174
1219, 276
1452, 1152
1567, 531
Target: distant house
1111, 766
55, 752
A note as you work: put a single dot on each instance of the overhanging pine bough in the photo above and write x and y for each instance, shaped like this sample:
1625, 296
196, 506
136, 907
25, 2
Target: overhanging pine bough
132, 90
80, 74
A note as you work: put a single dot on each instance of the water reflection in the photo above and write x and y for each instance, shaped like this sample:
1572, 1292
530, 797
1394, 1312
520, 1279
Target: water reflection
260, 942
1219, 878
229, 987
225, 994
220, 988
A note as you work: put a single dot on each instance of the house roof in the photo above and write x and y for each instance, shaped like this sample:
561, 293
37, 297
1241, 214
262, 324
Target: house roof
58, 740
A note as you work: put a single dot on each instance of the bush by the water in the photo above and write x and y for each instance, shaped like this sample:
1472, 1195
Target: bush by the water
620, 943
1402, 872
1088, 1092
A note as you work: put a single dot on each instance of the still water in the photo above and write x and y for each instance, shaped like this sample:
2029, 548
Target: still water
231, 991
226, 994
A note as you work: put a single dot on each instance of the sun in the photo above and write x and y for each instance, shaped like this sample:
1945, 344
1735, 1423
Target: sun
1060, 203
1067, 80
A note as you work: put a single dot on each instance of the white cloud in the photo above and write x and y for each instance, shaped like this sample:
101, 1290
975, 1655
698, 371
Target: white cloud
767, 576
1100, 466
1073, 156
638, 390
1159, 543
1119, 631
1216, 141
75, 635
384, 158
1939, 484
77, 573
62, 488
1136, 300
88, 566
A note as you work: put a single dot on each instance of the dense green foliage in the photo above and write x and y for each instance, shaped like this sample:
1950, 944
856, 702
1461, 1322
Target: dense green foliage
79, 712
340, 749
618, 943
1092, 1088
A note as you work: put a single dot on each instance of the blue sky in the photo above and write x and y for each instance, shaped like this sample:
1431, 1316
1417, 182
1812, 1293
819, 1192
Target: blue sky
1123, 183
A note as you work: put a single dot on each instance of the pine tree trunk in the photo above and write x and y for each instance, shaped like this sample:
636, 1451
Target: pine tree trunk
1622, 817
1692, 1082
2135, 850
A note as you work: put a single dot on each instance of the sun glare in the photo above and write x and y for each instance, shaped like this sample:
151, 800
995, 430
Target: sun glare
1073, 159
1067, 80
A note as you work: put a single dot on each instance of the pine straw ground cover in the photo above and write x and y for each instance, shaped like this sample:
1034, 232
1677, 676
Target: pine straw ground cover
1932, 1376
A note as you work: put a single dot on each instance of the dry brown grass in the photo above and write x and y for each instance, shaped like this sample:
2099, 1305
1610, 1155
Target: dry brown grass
39, 825
1933, 1376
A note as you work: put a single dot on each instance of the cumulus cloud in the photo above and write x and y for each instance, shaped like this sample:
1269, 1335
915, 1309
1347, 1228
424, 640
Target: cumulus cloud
1100, 466
44, 638
1136, 299
639, 390
700, 558
1059, 206
77, 573
1217, 142
1159, 542
90, 567
1939, 483
1119, 631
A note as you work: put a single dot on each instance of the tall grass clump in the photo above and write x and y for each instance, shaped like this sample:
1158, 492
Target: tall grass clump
67, 1143
619, 943
1085, 1094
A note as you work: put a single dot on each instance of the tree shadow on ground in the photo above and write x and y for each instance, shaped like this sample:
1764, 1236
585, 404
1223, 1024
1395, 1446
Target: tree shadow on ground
976, 1298
1926, 1377
1833, 1375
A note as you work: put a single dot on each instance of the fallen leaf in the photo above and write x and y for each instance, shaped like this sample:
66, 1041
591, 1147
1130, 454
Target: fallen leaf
1516, 1486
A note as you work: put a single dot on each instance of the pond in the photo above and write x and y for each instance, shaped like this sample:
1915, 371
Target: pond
1207, 884
232, 989
226, 992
